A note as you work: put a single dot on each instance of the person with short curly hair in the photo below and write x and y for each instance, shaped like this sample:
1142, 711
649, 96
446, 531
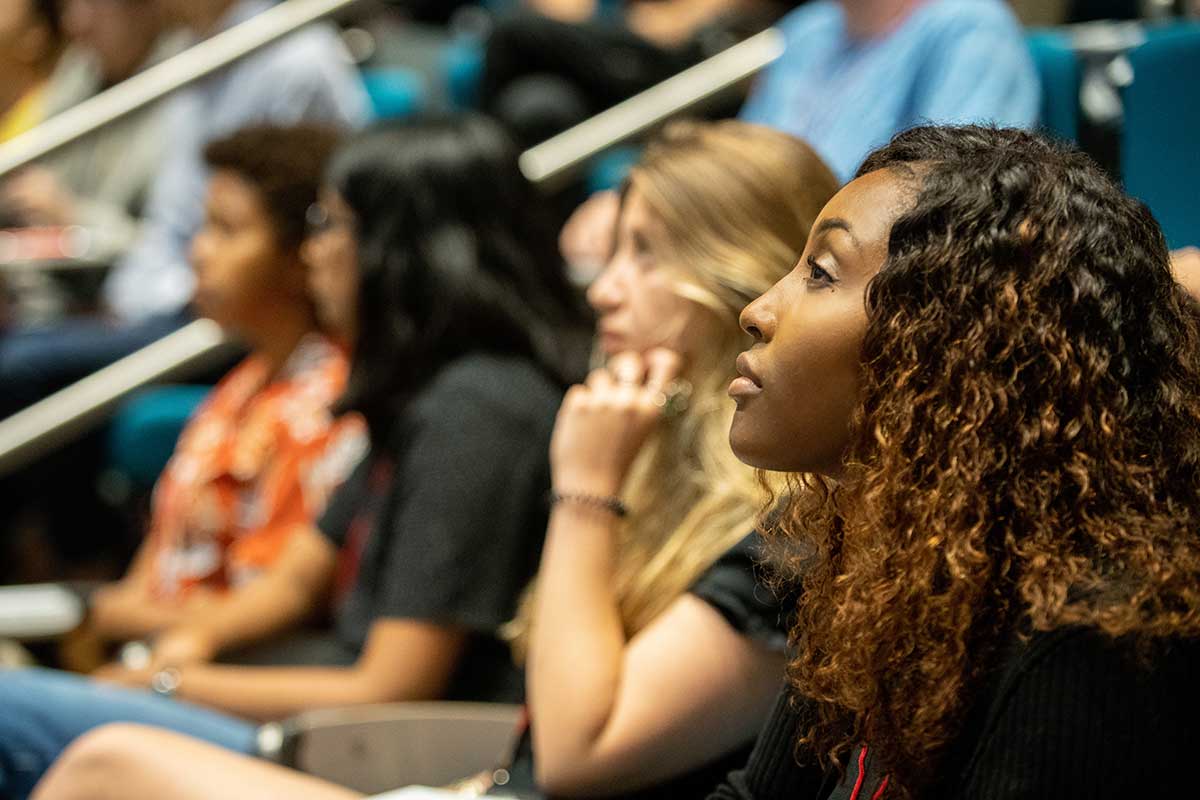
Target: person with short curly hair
986, 384
250, 476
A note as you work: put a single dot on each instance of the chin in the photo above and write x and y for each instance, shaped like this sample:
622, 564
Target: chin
748, 448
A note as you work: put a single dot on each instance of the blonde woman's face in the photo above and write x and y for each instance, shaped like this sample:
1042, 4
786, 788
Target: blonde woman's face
637, 304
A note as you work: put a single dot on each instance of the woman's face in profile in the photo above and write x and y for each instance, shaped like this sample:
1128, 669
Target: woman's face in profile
331, 252
637, 305
798, 384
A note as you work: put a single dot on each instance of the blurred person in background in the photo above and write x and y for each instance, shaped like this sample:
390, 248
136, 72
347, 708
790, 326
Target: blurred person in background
100, 181
261, 455
31, 42
430, 258
652, 652
305, 76
557, 62
857, 72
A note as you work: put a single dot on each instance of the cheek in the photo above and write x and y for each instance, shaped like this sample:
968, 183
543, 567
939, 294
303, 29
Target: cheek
340, 295
660, 317
800, 422
248, 274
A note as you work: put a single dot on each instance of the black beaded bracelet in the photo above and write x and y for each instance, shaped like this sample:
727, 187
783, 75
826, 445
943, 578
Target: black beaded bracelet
612, 505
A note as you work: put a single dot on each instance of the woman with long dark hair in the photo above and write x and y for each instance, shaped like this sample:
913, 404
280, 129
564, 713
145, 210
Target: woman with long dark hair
986, 384
428, 257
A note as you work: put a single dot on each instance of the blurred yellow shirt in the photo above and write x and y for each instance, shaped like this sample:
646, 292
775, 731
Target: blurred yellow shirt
24, 115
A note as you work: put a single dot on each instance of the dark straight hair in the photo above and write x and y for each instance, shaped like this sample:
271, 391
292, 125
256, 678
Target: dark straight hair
456, 254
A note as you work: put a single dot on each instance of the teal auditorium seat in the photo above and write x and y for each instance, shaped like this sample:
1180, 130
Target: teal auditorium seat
145, 429
1160, 148
395, 92
462, 71
609, 169
1058, 67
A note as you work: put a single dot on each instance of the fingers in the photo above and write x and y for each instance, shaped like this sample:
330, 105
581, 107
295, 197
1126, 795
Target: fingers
627, 368
662, 367
633, 379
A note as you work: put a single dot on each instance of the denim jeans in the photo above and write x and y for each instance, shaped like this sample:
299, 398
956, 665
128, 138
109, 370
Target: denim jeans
43, 711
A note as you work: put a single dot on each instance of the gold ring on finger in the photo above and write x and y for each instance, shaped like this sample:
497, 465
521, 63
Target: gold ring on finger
674, 399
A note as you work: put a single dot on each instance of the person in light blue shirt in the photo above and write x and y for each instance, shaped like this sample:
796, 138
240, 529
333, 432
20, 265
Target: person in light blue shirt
856, 72
306, 76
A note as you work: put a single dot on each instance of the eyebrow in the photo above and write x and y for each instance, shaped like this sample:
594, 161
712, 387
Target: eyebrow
837, 224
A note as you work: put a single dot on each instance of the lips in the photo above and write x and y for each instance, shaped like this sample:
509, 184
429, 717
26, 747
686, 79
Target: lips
610, 340
746, 369
747, 384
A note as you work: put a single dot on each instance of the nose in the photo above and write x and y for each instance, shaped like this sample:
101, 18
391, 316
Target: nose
311, 251
199, 251
758, 319
606, 292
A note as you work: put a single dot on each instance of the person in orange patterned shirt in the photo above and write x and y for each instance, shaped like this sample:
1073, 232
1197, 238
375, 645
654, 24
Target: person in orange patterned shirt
261, 456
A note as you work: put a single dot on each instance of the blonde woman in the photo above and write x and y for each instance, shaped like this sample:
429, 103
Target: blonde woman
651, 657
648, 651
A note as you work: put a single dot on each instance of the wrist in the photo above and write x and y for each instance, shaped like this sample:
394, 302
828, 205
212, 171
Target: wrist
166, 682
606, 504
600, 483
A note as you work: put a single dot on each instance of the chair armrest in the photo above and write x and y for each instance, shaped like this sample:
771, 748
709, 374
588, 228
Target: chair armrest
376, 748
40, 610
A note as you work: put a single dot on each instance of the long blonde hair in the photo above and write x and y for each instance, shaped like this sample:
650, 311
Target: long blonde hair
737, 202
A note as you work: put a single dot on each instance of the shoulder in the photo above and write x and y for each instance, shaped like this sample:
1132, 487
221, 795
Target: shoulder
736, 588
312, 55
1121, 658
1074, 707
505, 387
954, 18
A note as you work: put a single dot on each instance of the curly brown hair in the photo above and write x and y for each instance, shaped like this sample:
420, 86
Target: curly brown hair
1025, 454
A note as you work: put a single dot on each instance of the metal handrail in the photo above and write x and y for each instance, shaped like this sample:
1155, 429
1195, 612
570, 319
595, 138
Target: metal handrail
158, 81
557, 157
67, 413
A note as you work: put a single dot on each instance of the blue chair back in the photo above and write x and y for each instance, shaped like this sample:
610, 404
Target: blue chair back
1160, 147
395, 92
144, 431
1060, 72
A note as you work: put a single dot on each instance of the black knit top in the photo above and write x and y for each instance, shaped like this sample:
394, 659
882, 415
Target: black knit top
1068, 714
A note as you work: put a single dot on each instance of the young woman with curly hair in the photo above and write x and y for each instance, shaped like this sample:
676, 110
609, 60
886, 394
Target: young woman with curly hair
985, 367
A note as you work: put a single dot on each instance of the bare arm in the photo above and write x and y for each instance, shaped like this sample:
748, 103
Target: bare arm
403, 660
278, 600
671, 23
608, 713
126, 609
615, 715
204, 626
